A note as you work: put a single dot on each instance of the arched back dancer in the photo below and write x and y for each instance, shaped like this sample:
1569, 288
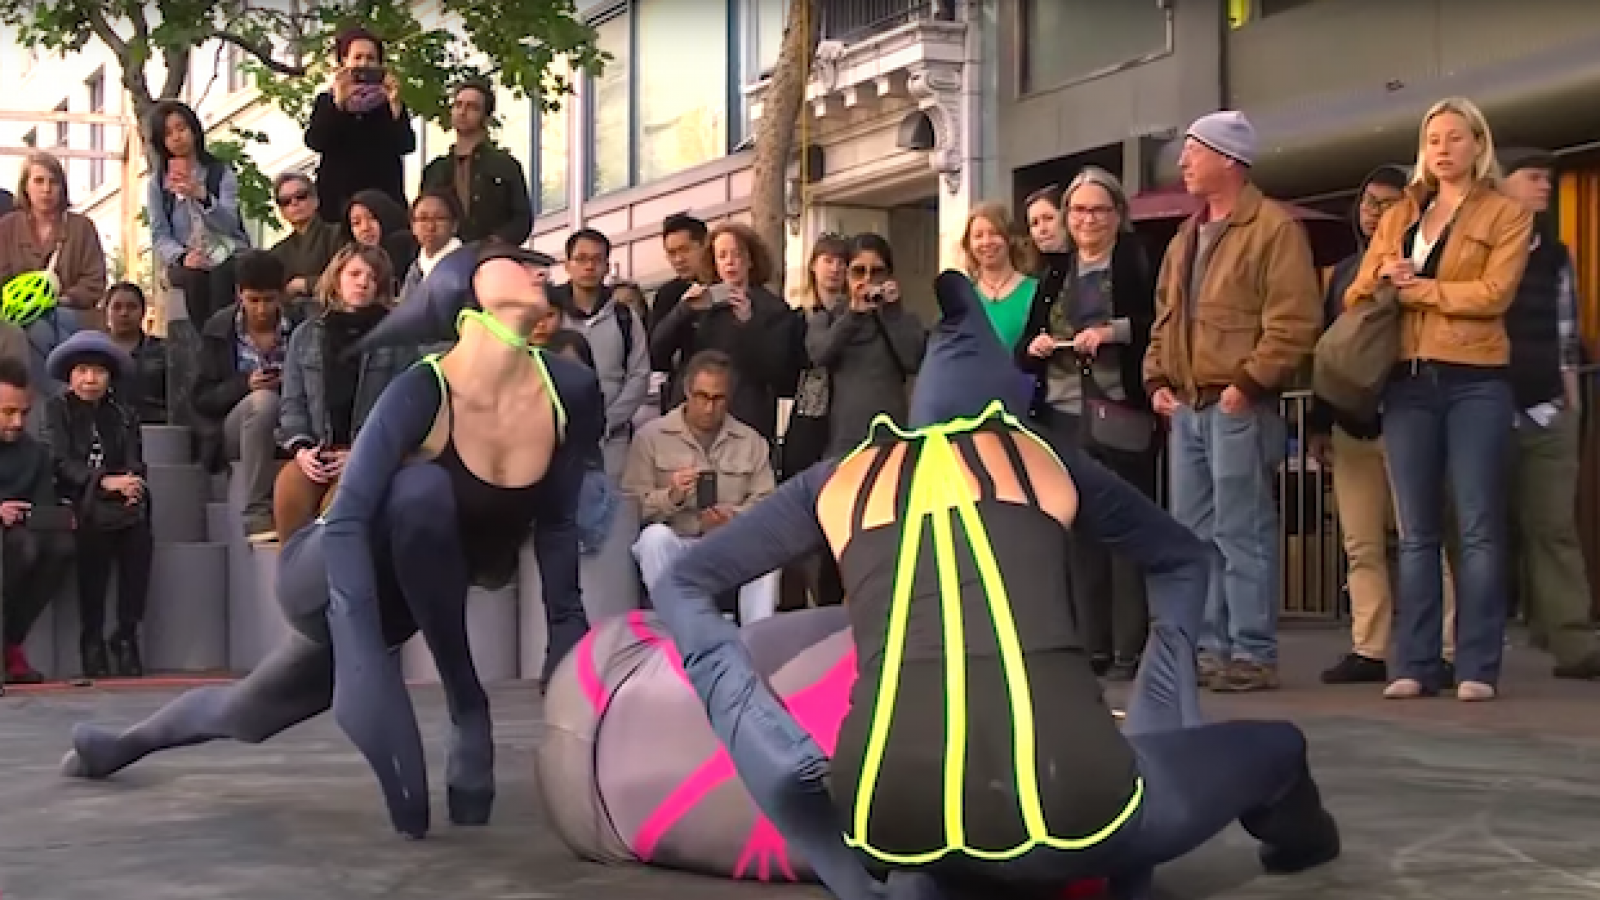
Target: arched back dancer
978, 759
462, 458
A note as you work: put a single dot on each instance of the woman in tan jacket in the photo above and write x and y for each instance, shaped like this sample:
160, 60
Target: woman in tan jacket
43, 227
1453, 248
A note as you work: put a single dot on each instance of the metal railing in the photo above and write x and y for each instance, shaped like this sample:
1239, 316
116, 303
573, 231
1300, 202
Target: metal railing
852, 20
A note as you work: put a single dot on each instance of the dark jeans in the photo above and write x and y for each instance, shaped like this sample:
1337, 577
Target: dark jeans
36, 564
1442, 426
130, 551
204, 290
1108, 598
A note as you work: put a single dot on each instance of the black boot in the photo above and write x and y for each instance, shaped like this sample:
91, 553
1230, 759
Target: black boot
92, 654
1297, 832
125, 660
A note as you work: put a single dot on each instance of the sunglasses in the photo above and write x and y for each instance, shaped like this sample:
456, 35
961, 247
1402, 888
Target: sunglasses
859, 271
288, 199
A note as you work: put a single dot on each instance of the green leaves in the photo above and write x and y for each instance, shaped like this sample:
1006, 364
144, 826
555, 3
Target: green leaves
527, 46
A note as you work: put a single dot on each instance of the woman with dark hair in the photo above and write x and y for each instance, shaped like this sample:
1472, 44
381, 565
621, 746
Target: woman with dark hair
869, 343
193, 203
1042, 210
740, 316
1085, 342
145, 387
372, 219
99, 463
360, 127
435, 217
570, 344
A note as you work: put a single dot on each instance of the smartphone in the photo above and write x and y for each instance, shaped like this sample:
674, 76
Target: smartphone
274, 371
49, 518
705, 490
720, 293
368, 74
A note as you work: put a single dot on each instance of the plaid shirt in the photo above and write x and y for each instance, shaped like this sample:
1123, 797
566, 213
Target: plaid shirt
247, 357
1567, 306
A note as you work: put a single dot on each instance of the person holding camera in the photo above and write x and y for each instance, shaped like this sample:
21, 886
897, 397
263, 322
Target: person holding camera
869, 343
239, 381
693, 470
329, 389
359, 126
99, 462
35, 530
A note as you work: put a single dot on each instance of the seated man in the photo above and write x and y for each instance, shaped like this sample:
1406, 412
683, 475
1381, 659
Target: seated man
695, 469
35, 554
239, 380
978, 758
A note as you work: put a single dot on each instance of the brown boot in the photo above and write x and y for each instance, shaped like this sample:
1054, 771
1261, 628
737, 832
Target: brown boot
1244, 676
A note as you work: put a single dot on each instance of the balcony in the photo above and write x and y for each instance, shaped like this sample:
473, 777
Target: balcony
847, 21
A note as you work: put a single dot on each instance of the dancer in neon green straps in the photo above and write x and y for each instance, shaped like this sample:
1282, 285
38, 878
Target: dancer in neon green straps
978, 758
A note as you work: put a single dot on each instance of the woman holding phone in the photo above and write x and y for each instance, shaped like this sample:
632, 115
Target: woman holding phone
328, 388
359, 126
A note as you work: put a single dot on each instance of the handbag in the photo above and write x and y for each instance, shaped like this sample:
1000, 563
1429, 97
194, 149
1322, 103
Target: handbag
98, 510
1109, 425
1353, 358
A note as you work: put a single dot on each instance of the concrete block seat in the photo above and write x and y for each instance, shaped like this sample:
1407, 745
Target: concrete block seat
178, 496
167, 444
609, 579
491, 633
186, 626
255, 623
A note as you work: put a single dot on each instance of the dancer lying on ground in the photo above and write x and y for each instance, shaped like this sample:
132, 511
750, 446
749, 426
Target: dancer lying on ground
462, 457
978, 758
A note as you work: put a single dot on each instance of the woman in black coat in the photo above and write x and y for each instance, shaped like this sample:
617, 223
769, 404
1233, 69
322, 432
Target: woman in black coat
99, 461
1085, 341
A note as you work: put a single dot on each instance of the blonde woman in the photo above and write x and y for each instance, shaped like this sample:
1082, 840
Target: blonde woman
1453, 248
998, 256
328, 391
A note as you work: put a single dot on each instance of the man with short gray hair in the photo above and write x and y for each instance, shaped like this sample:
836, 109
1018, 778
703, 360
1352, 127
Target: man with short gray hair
1238, 311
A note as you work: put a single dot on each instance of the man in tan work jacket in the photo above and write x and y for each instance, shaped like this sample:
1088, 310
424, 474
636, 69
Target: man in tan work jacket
1237, 311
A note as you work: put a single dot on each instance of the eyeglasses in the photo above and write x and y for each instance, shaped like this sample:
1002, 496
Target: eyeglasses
585, 259
1090, 212
431, 220
1378, 204
859, 271
288, 199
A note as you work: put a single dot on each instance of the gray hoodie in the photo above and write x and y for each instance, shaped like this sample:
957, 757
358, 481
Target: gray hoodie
624, 375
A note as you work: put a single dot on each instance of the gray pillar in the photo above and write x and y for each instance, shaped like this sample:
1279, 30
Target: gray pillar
178, 496
491, 633
255, 621
610, 578
186, 628
533, 633
167, 445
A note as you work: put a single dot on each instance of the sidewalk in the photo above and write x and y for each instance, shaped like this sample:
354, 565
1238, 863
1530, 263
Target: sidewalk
1436, 798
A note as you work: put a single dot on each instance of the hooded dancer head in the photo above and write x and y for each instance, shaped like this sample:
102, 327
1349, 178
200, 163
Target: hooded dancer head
965, 368
458, 284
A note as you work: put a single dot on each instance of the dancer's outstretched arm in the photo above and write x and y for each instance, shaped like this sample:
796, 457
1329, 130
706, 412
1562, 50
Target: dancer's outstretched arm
369, 694
779, 762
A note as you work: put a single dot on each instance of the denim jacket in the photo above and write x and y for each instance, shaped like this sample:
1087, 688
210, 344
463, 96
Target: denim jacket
303, 415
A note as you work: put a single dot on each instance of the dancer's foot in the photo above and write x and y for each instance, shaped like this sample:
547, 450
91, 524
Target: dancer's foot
90, 756
1322, 846
469, 770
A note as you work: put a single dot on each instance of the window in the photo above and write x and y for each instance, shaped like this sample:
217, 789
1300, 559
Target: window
610, 108
63, 130
97, 132
238, 78
763, 37
1070, 40
683, 85
554, 141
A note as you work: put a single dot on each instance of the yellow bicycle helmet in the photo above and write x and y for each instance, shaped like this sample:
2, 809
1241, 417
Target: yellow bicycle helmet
28, 297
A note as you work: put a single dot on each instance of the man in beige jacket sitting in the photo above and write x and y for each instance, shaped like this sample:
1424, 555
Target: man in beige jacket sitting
694, 469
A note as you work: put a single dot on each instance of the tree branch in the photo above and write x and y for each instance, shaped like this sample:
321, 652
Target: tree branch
133, 78
177, 62
260, 52
216, 67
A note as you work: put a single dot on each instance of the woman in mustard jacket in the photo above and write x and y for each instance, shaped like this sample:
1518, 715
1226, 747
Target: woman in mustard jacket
1454, 249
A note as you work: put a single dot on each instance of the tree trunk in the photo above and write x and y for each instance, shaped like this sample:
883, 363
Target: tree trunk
781, 104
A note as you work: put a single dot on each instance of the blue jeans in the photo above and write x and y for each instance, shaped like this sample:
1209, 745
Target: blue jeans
1440, 424
1222, 467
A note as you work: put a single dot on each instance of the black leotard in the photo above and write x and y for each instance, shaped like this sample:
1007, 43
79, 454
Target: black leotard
1018, 685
